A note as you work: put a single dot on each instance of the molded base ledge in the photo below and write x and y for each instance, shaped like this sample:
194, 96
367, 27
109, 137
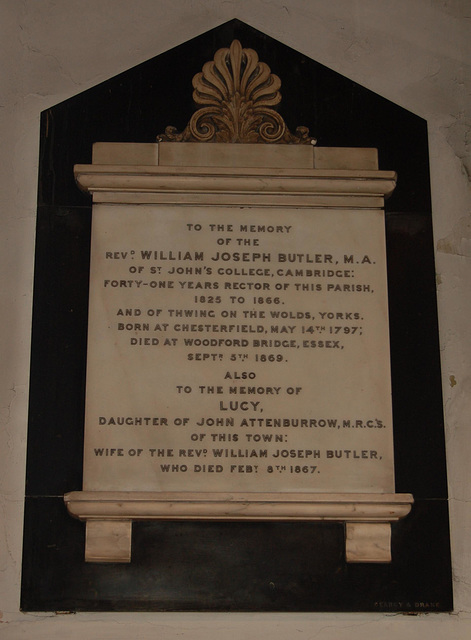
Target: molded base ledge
109, 516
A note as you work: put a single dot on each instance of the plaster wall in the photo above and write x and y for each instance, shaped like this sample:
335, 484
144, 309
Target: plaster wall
416, 53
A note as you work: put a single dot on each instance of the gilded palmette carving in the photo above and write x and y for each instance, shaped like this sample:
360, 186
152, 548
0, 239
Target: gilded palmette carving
237, 94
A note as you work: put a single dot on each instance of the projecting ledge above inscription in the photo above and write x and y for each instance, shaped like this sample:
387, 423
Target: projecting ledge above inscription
246, 175
238, 350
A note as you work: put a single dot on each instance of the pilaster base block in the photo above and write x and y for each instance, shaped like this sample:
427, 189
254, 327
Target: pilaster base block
108, 541
368, 542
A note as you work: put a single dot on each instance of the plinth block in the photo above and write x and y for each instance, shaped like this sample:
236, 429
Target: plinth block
108, 541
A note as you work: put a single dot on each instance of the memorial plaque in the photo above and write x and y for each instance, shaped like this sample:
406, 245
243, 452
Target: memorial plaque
238, 348
302, 508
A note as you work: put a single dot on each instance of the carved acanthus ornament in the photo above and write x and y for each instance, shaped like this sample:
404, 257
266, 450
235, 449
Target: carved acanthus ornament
238, 95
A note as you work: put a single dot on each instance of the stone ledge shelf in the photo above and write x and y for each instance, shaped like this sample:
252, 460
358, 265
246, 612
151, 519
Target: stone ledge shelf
109, 516
114, 183
238, 175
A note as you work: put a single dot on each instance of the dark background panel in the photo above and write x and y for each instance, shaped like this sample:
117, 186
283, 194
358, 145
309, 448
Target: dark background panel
58, 358
420, 464
230, 566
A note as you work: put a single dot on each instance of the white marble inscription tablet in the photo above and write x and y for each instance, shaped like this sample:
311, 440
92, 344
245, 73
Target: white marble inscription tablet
238, 356
238, 349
